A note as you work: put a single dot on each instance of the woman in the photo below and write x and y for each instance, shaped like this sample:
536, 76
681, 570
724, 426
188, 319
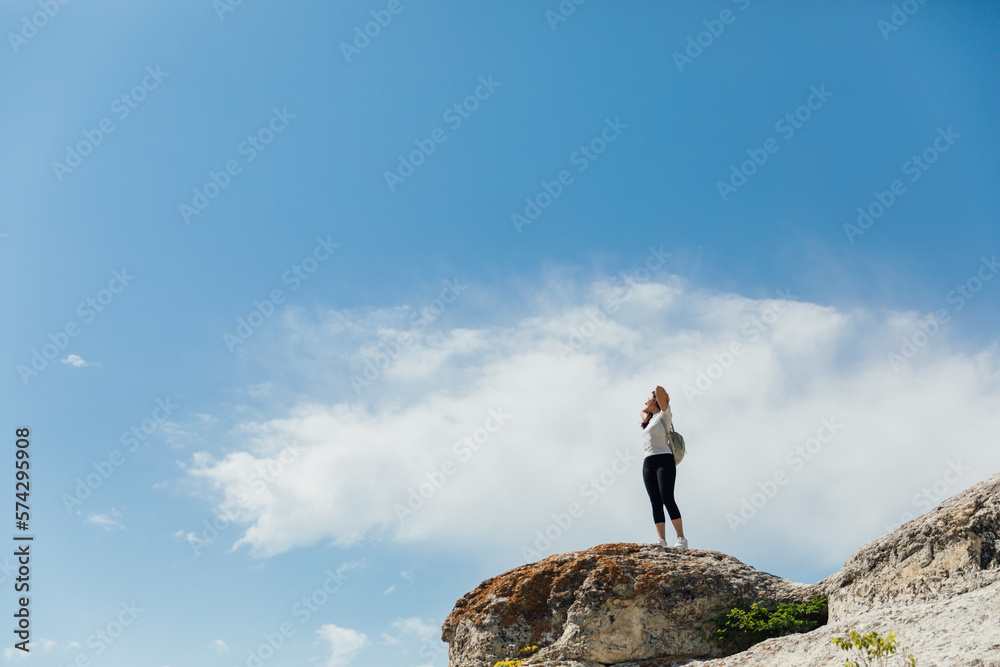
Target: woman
658, 468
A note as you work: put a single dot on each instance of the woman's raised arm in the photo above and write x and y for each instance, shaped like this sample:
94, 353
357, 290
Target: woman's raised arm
662, 399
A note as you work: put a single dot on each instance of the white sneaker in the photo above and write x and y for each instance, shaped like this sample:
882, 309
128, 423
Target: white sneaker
682, 543
663, 543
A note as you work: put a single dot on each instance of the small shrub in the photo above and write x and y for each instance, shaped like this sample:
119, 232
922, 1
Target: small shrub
741, 628
871, 649
515, 662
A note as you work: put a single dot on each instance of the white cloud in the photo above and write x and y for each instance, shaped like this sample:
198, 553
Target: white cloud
416, 627
220, 646
190, 537
37, 646
104, 521
344, 643
351, 565
389, 590
77, 361
570, 413
260, 390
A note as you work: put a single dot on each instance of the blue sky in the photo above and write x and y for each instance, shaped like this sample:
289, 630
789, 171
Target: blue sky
691, 197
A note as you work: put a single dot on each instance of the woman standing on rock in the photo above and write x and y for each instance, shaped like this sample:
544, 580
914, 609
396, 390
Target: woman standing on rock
658, 468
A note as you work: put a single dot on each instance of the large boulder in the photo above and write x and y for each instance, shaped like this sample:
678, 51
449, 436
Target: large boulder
935, 580
609, 604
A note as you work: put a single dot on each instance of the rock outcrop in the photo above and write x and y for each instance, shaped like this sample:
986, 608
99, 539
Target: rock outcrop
934, 580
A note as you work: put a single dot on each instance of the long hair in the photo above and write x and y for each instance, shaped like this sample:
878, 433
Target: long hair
645, 422
649, 415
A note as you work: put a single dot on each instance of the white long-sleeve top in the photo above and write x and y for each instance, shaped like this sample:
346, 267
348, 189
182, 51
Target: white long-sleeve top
654, 437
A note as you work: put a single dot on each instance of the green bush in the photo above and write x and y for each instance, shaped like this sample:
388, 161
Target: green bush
876, 650
743, 627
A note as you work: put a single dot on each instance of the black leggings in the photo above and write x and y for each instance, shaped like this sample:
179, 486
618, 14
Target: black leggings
658, 474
